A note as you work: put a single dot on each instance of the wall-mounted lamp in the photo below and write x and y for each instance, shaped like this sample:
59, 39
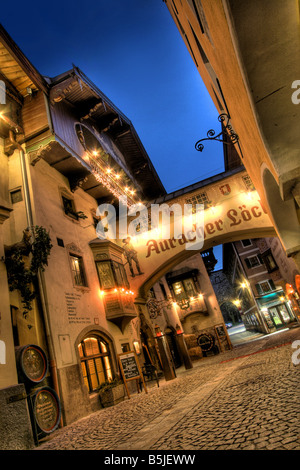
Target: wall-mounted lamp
158, 331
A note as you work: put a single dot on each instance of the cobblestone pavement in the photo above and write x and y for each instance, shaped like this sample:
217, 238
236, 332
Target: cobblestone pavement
244, 399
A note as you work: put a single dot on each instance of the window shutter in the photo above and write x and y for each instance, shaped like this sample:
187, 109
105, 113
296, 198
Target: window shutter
259, 289
273, 287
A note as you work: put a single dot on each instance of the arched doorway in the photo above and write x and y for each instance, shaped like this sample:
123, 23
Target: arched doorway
230, 312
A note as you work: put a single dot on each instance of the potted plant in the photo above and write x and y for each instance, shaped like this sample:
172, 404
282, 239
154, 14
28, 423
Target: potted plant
111, 392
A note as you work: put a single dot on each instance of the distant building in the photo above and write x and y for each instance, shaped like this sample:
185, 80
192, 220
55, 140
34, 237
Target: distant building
184, 299
260, 274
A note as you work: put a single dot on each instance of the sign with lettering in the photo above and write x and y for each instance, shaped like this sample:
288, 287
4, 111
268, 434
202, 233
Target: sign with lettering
47, 411
130, 369
232, 212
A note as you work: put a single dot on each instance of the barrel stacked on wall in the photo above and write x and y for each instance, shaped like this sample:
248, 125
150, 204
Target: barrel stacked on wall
43, 402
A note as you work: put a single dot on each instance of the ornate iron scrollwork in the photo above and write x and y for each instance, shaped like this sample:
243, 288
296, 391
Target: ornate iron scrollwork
227, 131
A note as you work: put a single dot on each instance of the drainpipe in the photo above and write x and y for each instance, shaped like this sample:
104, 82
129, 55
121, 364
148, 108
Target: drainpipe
28, 207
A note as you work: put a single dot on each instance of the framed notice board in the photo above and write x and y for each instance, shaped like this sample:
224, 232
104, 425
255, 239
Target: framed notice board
223, 338
130, 369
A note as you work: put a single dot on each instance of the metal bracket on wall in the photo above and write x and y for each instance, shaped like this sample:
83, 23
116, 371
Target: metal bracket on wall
227, 132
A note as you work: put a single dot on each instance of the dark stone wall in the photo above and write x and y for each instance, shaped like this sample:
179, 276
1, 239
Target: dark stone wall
15, 425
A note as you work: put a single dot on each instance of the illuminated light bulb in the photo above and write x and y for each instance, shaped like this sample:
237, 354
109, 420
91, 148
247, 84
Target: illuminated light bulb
95, 153
126, 189
108, 170
281, 298
116, 290
117, 176
191, 298
243, 285
102, 292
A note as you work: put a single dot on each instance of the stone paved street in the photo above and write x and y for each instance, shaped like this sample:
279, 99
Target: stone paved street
246, 399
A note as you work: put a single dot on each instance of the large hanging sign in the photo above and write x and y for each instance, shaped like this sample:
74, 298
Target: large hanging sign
152, 236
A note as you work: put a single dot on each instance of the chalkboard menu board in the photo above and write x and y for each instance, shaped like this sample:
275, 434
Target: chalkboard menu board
130, 368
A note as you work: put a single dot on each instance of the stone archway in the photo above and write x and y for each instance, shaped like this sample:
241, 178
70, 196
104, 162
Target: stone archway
230, 311
232, 211
283, 213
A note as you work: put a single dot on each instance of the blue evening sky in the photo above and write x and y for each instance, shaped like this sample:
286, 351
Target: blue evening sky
134, 53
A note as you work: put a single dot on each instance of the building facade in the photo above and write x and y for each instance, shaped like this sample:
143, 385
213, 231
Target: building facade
67, 310
249, 65
261, 275
69, 306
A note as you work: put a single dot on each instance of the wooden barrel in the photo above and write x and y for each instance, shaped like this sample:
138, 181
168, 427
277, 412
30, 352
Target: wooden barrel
46, 409
206, 341
32, 363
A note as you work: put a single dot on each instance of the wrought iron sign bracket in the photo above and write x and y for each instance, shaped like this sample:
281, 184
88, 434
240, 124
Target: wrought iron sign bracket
227, 131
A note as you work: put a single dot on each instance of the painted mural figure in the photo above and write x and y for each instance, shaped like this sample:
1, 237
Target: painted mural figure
131, 255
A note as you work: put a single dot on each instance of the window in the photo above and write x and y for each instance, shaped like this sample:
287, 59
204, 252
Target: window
252, 262
248, 183
269, 261
60, 242
246, 243
202, 53
111, 274
95, 362
125, 347
265, 286
78, 273
69, 207
197, 8
120, 274
16, 196
200, 198
184, 289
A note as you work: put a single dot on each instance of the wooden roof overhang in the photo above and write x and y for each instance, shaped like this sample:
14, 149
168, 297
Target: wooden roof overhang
92, 107
16, 67
96, 110
20, 79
